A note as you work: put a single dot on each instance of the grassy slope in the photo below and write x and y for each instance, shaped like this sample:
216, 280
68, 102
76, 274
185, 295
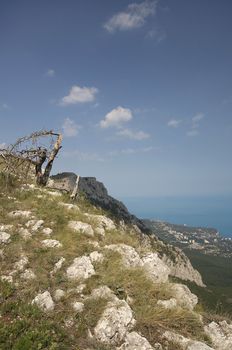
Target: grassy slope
25, 327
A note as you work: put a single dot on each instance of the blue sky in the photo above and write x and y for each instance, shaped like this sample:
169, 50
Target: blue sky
141, 90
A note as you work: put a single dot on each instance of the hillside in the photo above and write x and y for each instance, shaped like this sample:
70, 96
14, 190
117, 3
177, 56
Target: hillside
76, 276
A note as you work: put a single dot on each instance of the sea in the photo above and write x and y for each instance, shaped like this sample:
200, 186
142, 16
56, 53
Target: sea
212, 211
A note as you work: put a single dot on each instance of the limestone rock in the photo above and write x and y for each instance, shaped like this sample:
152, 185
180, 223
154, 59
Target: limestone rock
82, 227
28, 274
20, 264
24, 233
4, 238
34, 225
18, 213
47, 231
116, 321
6, 278
80, 288
182, 268
168, 304
221, 335
81, 268
59, 294
58, 265
69, 206
78, 307
184, 296
134, 341
51, 243
6, 227
185, 343
96, 257
54, 193
102, 221
44, 301
100, 231
129, 255
156, 269
103, 292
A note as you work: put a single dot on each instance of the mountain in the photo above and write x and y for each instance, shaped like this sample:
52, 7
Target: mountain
76, 274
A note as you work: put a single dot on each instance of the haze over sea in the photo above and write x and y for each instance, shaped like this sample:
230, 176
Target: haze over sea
211, 211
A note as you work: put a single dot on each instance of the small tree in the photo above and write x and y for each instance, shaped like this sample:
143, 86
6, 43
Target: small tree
32, 155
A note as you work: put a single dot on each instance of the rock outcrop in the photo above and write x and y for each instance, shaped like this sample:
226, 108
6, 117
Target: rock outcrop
135, 341
97, 194
221, 335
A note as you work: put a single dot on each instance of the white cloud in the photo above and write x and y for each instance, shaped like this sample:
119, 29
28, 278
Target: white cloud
129, 151
79, 94
70, 128
5, 106
173, 123
156, 35
116, 117
2, 145
84, 156
133, 17
195, 124
50, 73
133, 135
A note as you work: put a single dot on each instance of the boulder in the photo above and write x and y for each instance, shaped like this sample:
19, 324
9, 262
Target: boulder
221, 335
69, 206
168, 304
78, 307
24, 233
103, 292
96, 257
81, 268
185, 298
129, 255
6, 278
51, 243
34, 225
28, 274
47, 231
134, 341
20, 213
59, 294
44, 301
81, 227
4, 238
185, 343
156, 269
102, 221
58, 265
116, 321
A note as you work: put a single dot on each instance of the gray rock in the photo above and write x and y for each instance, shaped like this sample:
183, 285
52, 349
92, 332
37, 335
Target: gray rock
134, 341
20, 213
34, 225
185, 343
81, 227
116, 321
47, 231
28, 274
58, 265
51, 243
184, 296
59, 294
221, 335
156, 269
96, 257
4, 238
81, 268
44, 301
103, 292
78, 307
168, 304
129, 255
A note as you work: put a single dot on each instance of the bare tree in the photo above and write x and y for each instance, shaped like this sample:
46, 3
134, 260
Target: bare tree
32, 155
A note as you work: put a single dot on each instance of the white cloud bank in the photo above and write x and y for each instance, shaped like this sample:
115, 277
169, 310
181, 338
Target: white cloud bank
70, 128
133, 135
116, 117
133, 17
79, 94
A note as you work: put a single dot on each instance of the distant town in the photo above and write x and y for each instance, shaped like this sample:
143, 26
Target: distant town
207, 240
